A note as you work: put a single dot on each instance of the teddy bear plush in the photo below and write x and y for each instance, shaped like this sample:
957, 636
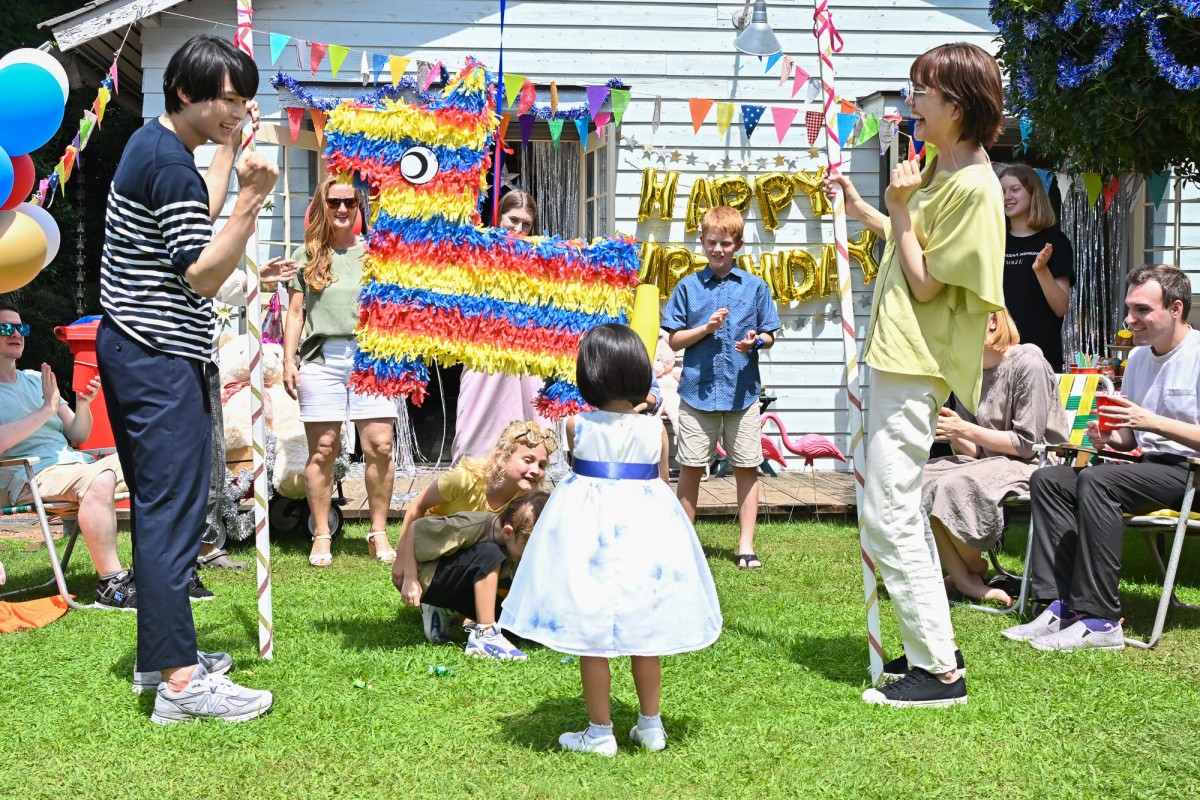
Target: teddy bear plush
668, 380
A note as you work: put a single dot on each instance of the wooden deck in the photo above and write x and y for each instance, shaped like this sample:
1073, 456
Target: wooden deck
790, 494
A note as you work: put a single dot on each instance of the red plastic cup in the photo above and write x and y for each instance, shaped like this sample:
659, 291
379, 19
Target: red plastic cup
1105, 399
81, 379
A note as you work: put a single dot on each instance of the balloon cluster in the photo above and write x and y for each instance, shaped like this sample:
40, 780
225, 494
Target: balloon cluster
33, 97
792, 275
774, 192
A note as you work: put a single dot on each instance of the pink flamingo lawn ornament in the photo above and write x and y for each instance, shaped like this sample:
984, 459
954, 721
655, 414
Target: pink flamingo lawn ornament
810, 446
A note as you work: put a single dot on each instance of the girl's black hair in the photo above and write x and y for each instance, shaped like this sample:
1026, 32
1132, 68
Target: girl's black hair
198, 69
612, 365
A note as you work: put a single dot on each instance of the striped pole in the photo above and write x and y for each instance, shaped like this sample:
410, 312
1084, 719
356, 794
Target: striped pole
828, 43
244, 39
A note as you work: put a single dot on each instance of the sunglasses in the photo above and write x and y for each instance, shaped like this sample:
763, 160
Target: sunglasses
9, 328
348, 202
535, 436
910, 89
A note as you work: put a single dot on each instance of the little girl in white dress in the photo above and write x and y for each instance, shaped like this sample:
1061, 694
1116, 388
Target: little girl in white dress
613, 567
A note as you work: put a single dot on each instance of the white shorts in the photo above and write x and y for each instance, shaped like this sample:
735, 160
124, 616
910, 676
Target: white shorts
324, 389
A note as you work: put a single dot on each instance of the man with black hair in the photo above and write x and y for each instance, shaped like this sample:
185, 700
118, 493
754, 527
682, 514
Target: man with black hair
160, 266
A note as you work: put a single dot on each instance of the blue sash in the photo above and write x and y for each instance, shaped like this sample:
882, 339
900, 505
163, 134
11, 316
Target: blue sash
615, 470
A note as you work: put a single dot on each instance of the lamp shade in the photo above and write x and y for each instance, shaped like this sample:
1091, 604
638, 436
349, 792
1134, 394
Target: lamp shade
758, 39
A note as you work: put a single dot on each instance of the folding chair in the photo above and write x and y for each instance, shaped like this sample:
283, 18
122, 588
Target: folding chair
1077, 393
67, 512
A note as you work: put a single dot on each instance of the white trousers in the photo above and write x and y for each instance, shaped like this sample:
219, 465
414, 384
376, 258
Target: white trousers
900, 424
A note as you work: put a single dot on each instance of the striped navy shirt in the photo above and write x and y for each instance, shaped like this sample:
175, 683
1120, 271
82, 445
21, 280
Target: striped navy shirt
157, 226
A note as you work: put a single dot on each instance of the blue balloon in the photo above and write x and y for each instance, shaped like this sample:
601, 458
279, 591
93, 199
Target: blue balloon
31, 108
6, 174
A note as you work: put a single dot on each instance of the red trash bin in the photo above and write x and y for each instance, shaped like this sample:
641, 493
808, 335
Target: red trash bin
80, 336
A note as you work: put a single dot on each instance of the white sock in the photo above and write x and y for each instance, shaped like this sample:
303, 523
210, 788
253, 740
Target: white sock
645, 723
595, 731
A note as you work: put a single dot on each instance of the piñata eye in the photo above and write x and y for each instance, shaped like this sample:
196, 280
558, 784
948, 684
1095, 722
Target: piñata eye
418, 165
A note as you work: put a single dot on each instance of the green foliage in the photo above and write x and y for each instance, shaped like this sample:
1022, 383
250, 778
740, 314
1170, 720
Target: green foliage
772, 710
50, 299
1125, 119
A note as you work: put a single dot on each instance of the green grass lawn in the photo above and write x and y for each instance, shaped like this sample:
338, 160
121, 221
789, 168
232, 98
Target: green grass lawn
771, 710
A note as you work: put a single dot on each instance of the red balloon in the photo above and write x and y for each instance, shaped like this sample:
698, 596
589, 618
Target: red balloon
23, 178
307, 211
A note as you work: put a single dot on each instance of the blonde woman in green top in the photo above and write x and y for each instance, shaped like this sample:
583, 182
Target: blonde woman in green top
941, 276
322, 314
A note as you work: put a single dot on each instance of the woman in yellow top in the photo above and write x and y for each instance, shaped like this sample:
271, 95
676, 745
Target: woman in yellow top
515, 467
941, 276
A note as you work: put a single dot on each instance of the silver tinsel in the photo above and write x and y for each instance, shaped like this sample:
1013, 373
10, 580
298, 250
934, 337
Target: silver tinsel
551, 175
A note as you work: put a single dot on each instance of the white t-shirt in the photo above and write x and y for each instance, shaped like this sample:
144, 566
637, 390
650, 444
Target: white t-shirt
1168, 385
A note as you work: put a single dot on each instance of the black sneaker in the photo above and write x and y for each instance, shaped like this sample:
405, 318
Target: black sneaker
918, 688
118, 592
897, 668
197, 591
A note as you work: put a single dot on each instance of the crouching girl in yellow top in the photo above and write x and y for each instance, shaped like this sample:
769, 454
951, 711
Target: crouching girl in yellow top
941, 276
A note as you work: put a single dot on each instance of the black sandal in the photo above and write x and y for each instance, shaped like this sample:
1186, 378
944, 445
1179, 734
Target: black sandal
748, 561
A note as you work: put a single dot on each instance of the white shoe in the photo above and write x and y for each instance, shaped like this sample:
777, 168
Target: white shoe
1047, 622
581, 742
434, 619
486, 641
653, 739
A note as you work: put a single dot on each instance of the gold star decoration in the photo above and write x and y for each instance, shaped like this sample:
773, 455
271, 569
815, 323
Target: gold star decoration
675, 156
779, 160
813, 152
649, 149
223, 313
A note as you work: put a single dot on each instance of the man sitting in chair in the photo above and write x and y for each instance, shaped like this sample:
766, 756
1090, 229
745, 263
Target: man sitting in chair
35, 422
1075, 564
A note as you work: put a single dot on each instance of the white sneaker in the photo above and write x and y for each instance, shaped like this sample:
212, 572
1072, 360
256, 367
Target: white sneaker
434, 619
486, 641
581, 742
1047, 622
215, 664
209, 697
653, 738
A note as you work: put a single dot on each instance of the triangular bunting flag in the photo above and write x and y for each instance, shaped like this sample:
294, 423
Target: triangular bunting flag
785, 71
813, 121
1110, 191
783, 117
278, 42
318, 118
656, 119
1045, 175
870, 127
526, 122
397, 65
801, 79
295, 119
848, 107
1156, 187
1093, 184
68, 162
917, 144
1065, 183
526, 98
813, 90
301, 44
423, 70
112, 73
101, 103
724, 117
85, 128
555, 126
620, 102
75, 141
43, 190
1026, 130
772, 60
581, 125
512, 87
433, 74
596, 95
364, 69
699, 108
602, 119
378, 62
59, 170
554, 99
316, 56
887, 129
845, 125
750, 116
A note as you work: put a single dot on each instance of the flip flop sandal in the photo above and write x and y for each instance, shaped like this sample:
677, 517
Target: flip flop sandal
748, 561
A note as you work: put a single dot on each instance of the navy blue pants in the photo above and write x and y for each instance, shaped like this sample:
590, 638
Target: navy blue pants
159, 410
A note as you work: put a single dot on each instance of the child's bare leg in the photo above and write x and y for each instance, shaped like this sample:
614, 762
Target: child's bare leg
597, 684
688, 490
647, 678
485, 598
747, 499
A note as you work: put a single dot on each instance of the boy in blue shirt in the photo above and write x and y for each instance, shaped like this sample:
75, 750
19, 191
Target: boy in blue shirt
721, 317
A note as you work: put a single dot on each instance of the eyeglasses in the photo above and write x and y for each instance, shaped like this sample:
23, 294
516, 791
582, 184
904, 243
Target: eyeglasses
535, 436
348, 202
9, 328
911, 89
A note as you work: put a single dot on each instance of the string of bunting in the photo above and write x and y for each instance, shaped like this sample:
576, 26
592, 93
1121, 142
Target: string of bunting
91, 120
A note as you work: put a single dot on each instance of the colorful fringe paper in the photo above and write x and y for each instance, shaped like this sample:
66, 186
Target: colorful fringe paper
438, 287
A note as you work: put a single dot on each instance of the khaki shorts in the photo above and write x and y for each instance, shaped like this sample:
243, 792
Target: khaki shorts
737, 430
68, 483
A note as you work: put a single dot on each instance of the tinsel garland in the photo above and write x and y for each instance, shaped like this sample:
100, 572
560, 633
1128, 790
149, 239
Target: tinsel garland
409, 85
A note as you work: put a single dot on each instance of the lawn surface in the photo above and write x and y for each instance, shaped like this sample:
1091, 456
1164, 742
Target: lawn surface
771, 710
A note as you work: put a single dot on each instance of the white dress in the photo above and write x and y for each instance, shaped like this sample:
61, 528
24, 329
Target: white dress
613, 567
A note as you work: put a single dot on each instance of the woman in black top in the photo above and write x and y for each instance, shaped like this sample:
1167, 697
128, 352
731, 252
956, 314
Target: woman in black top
1039, 266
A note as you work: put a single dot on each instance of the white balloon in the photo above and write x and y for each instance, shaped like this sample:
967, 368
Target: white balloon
28, 55
48, 225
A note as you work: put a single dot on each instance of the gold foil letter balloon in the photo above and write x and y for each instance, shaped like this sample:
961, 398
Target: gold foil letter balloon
827, 272
676, 265
774, 192
813, 185
655, 193
652, 271
700, 199
800, 263
862, 250
733, 191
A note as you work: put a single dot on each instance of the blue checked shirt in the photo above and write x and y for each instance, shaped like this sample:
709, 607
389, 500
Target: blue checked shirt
715, 376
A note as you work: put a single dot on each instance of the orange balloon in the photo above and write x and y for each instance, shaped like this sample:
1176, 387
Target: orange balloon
22, 250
